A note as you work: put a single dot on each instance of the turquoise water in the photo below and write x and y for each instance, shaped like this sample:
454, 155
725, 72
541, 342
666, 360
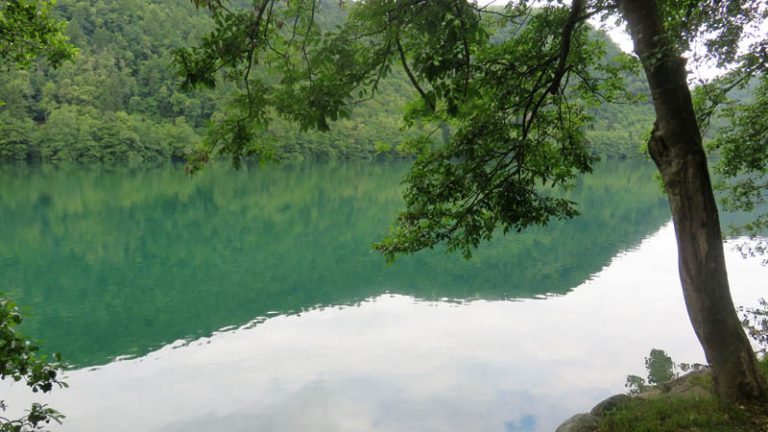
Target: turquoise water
251, 300
119, 262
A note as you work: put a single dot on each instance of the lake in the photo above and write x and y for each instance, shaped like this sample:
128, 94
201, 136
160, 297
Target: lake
251, 300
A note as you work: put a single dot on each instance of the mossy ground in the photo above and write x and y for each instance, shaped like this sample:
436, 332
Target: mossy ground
680, 412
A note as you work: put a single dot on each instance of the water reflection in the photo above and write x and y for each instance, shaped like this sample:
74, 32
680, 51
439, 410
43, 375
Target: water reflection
397, 363
119, 262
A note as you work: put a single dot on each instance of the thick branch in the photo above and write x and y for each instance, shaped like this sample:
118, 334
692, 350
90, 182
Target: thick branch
411, 77
565, 44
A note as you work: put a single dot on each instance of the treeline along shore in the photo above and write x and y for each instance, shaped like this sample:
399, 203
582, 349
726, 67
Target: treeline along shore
121, 99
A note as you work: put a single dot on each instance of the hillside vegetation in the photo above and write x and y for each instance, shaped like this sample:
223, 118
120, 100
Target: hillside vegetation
121, 99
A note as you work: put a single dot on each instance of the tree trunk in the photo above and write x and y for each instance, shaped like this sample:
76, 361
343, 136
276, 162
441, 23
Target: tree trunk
676, 148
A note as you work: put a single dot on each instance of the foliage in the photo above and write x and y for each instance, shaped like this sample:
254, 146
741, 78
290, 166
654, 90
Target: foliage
735, 103
297, 235
683, 414
680, 411
660, 369
20, 361
121, 101
36, 420
117, 101
755, 321
28, 30
123, 69
742, 146
518, 108
510, 132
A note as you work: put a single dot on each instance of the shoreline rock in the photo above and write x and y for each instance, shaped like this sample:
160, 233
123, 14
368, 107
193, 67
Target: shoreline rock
583, 422
692, 384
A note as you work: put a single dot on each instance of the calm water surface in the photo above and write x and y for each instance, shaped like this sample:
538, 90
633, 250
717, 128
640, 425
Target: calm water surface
251, 300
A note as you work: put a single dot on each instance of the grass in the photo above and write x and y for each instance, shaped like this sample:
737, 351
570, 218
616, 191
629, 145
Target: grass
679, 414
684, 413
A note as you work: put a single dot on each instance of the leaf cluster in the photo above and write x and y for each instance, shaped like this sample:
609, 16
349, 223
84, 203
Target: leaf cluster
743, 163
516, 108
519, 135
121, 82
28, 30
19, 361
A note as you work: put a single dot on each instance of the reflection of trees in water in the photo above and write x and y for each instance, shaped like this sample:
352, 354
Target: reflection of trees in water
120, 262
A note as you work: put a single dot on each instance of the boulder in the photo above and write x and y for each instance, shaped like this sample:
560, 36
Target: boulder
696, 384
612, 402
579, 423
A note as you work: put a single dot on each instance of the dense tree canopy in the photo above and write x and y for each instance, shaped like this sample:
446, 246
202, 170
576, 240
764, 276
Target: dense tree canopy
121, 101
28, 31
518, 108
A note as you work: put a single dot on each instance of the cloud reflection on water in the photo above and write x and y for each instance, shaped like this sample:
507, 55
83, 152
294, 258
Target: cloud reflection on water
393, 363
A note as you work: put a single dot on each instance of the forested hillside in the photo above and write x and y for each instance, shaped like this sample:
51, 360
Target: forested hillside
121, 98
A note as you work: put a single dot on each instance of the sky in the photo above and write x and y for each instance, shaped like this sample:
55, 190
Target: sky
698, 71
617, 34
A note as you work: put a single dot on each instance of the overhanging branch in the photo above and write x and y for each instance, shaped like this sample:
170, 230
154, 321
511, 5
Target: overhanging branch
565, 44
411, 77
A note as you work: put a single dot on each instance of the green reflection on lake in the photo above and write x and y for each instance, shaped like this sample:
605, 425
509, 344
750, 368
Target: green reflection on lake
112, 262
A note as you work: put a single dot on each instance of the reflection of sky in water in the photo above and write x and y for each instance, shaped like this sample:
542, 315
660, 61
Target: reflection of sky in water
119, 264
396, 364
527, 423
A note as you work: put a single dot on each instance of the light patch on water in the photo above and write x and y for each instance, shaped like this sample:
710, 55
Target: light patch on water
393, 363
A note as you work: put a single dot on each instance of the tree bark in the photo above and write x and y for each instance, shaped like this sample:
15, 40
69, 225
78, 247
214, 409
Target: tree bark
676, 148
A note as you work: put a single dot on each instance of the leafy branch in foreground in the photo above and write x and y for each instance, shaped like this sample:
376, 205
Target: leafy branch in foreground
517, 108
28, 31
36, 420
744, 157
20, 361
755, 321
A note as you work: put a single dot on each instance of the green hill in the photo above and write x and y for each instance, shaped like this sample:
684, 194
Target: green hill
121, 100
